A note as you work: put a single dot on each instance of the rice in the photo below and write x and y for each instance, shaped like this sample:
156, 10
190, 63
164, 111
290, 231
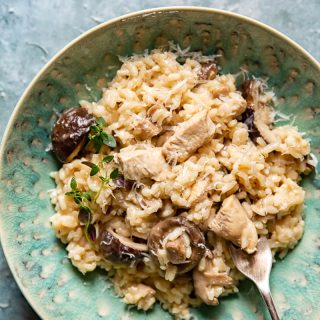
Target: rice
263, 176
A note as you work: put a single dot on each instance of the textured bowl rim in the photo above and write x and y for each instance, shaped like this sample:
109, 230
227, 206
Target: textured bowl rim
32, 302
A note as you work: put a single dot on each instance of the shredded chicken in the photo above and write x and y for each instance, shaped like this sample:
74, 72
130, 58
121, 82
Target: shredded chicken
232, 223
144, 129
142, 161
205, 280
188, 137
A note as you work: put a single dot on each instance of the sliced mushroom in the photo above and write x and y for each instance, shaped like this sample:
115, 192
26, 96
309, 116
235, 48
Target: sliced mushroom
142, 161
176, 242
258, 116
311, 163
188, 137
70, 132
232, 223
208, 71
117, 248
251, 89
205, 279
248, 118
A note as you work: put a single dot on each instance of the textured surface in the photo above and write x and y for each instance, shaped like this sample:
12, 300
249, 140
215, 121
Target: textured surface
28, 23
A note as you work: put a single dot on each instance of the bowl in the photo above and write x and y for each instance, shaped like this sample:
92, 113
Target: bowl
53, 287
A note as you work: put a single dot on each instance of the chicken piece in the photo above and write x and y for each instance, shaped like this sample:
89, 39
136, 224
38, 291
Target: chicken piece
205, 279
163, 138
232, 223
144, 129
142, 161
189, 136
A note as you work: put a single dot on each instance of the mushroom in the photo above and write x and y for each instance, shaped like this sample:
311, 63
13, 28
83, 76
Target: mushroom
232, 223
207, 278
248, 119
119, 249
176, 242
258, 116
208, 71
70, 132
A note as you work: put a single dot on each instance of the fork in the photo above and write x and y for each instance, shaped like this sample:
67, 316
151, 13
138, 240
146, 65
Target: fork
257, 268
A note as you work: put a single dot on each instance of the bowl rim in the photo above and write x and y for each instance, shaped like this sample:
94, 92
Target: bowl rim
40, 311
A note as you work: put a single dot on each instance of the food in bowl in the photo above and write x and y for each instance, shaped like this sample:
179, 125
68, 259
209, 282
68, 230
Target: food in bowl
173, 162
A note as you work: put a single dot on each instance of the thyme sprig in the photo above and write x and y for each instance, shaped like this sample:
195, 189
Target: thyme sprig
84, 198
100, 137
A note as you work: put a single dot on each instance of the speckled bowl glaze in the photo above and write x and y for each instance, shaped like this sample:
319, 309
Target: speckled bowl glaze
38, 261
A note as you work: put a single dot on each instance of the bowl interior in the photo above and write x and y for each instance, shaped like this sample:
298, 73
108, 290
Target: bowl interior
38, 260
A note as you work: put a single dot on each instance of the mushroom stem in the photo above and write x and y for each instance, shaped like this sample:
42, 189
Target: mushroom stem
117, 248
176, 251
176, 242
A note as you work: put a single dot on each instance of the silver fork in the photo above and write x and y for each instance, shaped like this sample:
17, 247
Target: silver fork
257, 268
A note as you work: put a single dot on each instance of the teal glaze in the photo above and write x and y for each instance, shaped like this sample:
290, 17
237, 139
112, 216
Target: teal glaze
38, 260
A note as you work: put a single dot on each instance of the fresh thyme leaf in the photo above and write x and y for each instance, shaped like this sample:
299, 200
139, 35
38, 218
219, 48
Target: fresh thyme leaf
84, 215
107, 159
88, 163
114, 173
105, 180
87, 195
77, 199
73, 183
95, 169
97, 141
99, 137
91, 230
108, 140
94, 130
101, 122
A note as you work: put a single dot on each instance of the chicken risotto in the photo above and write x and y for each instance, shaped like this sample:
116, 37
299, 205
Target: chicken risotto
172, 163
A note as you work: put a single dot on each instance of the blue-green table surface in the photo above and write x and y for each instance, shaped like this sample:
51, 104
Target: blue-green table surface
32, 31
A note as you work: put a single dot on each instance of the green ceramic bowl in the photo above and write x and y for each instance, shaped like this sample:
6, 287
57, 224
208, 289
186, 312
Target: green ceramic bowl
38, 261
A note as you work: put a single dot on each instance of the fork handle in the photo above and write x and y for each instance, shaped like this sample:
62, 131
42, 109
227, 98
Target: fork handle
266, 294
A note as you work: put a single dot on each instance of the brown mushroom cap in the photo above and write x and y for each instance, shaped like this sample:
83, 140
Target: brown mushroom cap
70, 132
176, 248
117, 248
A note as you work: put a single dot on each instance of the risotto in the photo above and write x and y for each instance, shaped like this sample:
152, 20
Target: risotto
169, 166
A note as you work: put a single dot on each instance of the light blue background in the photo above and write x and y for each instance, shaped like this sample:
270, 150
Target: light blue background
33, 31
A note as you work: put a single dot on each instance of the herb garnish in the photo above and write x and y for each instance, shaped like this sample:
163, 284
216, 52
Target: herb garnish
107, 159
82, 198
106, 180
100, 137
94, 168
79, 197
114, 173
